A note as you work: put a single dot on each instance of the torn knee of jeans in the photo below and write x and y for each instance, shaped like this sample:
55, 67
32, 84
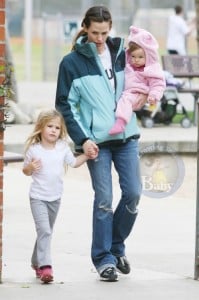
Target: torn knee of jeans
105, 208
132, 210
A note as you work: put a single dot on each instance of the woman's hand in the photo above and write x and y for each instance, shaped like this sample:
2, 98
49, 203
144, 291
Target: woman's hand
90, 149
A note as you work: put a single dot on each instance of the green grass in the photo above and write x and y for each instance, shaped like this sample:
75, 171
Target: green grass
178, 117
18, 54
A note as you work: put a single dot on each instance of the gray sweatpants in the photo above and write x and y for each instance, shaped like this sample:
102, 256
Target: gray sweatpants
44, 215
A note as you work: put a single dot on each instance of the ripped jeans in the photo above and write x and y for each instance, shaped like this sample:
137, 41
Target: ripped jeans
111, 228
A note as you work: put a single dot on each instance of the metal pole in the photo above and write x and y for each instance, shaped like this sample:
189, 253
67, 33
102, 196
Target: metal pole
196, 269
28, 38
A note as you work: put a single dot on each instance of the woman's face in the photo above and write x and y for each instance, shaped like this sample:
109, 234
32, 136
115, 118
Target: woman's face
98, 33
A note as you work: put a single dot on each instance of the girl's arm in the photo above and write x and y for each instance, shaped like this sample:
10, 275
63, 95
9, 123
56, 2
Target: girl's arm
80, 159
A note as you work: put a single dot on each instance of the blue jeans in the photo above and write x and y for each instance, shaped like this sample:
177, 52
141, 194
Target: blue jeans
110, 229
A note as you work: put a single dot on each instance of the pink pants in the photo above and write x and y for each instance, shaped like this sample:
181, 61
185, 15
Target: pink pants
126, 105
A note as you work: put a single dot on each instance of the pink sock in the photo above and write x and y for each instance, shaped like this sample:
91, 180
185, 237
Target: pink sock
118, 127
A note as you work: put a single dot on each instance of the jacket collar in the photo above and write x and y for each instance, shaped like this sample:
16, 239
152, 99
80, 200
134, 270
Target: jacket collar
90, 49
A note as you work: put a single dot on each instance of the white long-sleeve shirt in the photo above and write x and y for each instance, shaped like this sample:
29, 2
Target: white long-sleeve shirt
177, 31
47, 184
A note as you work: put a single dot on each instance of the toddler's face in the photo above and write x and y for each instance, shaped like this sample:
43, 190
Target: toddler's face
138, 58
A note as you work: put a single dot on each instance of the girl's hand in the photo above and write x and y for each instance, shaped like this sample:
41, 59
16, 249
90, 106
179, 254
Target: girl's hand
35, 165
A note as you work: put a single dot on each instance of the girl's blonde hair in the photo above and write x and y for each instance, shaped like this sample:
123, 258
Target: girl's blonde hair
45, 117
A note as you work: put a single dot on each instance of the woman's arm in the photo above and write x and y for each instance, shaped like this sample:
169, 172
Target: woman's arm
67, 100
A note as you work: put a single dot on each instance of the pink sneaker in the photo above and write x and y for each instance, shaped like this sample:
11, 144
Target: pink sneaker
46, 275
38, 271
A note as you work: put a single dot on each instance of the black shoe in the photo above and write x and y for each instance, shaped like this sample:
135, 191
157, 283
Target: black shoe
123, 265
109, 274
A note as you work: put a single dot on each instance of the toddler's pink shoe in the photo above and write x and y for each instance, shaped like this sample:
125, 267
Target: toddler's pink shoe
118, 127
46, 275
37, 271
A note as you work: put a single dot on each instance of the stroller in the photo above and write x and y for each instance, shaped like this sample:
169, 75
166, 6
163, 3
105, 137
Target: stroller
167, 108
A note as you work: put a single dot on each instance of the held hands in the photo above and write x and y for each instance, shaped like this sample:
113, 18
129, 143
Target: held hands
90, 149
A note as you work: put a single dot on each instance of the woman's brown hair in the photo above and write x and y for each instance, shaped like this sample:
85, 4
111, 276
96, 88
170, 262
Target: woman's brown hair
94, 14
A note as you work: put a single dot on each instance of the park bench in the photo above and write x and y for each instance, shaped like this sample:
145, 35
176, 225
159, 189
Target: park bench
187, 67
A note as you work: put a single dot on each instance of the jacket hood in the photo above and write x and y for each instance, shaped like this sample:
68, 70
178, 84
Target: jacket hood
145, 40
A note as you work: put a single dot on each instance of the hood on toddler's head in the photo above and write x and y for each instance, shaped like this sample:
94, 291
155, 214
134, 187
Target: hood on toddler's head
147, 41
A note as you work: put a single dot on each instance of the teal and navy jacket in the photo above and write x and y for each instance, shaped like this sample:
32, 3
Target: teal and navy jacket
85, 96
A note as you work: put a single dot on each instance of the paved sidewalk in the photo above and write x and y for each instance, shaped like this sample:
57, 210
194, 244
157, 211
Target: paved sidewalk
161, 247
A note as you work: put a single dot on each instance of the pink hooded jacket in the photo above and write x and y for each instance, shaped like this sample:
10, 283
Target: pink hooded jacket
151, 80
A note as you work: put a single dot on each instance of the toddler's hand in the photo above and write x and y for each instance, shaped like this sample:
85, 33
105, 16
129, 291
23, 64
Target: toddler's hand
151, 100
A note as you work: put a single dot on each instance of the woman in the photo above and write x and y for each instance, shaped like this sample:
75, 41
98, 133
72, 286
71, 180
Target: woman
90, 81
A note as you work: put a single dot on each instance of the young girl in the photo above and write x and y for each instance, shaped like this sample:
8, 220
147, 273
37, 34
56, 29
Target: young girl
143, 74
46, 154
